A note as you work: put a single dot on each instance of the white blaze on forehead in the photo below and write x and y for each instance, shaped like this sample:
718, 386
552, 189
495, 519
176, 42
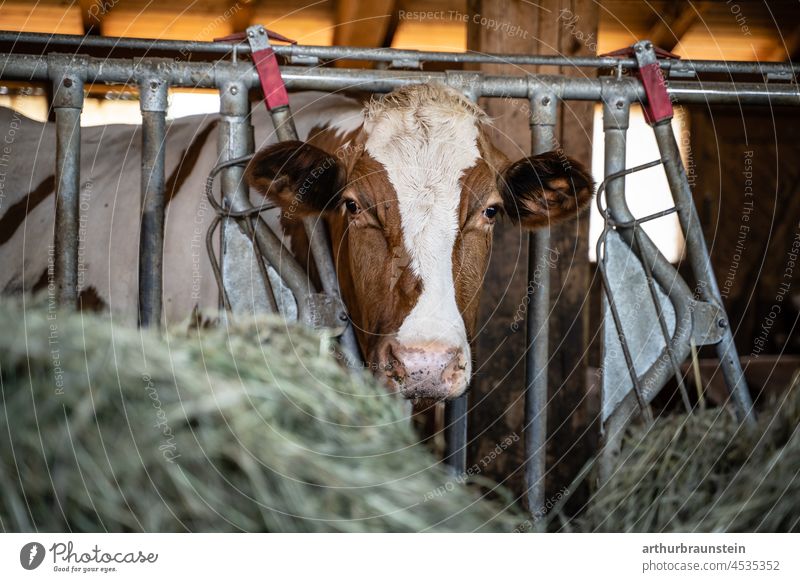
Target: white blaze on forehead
425, 146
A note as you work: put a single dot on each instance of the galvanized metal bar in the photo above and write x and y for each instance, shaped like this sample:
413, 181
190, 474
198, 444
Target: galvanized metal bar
644, 408
700, 262
211, 75
543, 118
153, 104
332, 53
67, 103
616, 116
662, 322
456, 411
239, 259
455, 434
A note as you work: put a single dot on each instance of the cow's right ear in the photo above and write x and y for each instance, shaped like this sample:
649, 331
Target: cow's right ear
299, 177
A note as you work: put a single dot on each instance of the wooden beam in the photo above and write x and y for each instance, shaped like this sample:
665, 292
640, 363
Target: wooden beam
668, 29
360, 23
92, 13
243, 16
785, 48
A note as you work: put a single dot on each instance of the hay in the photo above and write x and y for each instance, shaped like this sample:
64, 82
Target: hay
248, 428
706, 473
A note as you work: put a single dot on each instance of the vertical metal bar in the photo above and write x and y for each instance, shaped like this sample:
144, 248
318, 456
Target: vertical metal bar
67, 102
239, 261
153, 104
455, 411
455, 434
616, 118
543, 116
701, 268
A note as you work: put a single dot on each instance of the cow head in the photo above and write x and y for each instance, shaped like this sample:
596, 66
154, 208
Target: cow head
411, 198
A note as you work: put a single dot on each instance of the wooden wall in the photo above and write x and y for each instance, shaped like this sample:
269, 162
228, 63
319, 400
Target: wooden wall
747, 191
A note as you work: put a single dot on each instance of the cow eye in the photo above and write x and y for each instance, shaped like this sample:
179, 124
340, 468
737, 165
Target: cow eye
490, 212
351, 206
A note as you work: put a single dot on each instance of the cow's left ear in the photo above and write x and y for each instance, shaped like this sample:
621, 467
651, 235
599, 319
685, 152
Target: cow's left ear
545, 188
300, 178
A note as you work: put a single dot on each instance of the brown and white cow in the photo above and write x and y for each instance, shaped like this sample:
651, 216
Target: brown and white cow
411, 190
410, 187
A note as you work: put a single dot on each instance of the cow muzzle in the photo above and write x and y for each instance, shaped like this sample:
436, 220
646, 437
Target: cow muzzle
430, 371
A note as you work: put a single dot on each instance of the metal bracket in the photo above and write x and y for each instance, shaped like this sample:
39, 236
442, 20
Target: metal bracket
304, 60
414, 64
468, 82
781, 76
682, 70
67, 73
708, 323
326, 312
543, 99
153, 93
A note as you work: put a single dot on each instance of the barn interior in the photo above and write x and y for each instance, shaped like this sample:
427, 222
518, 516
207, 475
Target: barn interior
741, 162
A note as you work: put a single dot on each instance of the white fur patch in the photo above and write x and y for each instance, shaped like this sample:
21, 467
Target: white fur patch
344, 120
425, 146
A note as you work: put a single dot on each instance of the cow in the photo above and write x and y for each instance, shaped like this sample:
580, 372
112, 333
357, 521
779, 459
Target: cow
411, 196
410, 187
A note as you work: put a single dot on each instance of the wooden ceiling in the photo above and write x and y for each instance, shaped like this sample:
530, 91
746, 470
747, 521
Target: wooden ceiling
718, 29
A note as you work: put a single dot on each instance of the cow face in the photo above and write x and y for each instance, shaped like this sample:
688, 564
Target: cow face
411, 198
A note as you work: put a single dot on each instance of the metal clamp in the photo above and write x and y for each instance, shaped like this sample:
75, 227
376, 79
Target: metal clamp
468, 82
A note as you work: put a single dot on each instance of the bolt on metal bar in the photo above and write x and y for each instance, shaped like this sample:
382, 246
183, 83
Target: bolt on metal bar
67, 103
153, 104
702, 269
543, 117
333, 53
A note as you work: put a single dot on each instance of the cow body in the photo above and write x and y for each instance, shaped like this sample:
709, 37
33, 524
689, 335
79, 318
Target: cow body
110, 205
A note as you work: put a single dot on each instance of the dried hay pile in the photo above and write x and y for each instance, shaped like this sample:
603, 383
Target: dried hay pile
707, 473
254, 427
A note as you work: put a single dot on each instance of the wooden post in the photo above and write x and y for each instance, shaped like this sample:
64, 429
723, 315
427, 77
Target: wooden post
547, 27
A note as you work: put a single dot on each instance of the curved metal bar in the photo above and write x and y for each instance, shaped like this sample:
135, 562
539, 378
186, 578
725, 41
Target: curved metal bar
616, 111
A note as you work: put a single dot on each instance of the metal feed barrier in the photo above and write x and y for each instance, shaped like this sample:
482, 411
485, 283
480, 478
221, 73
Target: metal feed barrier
632, 377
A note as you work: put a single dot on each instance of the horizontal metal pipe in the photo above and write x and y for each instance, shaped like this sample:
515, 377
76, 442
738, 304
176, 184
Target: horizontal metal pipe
330, 53
211, 75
